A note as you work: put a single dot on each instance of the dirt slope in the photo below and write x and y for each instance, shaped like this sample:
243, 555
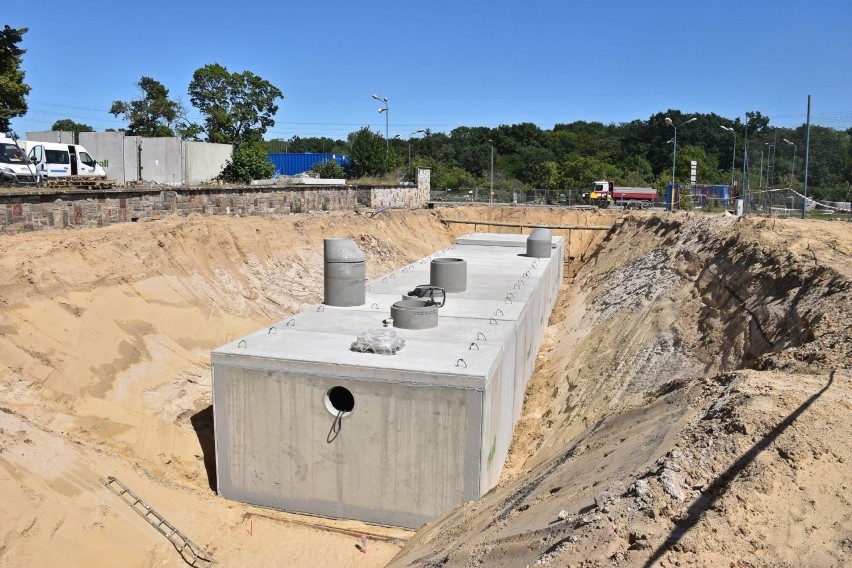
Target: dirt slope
680, 397
692, 408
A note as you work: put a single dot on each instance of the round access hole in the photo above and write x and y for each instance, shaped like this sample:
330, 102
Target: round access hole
339, 399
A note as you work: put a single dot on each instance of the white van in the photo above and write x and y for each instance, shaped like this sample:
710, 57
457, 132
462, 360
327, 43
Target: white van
14, 168
54, 160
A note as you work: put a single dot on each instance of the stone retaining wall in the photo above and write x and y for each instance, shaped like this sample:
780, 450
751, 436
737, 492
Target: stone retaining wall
33, 211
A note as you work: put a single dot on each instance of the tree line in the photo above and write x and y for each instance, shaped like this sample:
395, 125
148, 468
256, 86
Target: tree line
238, 108
571, 156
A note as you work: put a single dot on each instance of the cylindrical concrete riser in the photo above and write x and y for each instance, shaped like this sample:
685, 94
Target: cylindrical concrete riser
449, 273
414, 314
539, 243
344, 282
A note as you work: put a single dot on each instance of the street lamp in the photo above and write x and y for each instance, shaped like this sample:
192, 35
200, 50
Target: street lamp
674, 155
387, 113
793, 168
770, 164
491, 196
409, 144
734, 155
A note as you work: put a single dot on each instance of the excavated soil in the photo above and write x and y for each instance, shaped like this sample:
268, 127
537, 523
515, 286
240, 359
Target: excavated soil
690, 406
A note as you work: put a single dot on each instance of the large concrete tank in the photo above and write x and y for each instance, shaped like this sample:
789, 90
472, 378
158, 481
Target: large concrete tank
344, 273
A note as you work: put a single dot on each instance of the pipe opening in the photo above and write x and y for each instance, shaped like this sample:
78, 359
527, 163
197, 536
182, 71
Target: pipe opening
339, 400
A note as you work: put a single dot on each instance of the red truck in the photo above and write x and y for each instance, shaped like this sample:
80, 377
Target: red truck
604, 193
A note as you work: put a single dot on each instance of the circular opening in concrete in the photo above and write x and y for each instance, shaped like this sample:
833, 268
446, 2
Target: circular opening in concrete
339, 399
447, 260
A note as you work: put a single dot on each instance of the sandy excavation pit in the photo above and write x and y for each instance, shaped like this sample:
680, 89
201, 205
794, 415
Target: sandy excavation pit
691, 404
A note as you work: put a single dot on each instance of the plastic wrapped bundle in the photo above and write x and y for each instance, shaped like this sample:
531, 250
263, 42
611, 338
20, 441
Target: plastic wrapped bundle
381, 341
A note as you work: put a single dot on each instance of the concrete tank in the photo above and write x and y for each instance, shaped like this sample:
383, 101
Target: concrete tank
449, 274
305, 424
539, 243
344, 273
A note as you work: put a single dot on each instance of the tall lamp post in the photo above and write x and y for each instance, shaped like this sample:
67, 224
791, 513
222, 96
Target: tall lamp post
491, 196
674, 155
384, 110
734, 155
793, 168
409, 143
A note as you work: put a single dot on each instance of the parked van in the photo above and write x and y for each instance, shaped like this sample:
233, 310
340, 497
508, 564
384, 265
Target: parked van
54, 160
14, 168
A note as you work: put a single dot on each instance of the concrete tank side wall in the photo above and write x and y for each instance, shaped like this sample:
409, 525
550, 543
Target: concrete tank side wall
498, 425
398, 459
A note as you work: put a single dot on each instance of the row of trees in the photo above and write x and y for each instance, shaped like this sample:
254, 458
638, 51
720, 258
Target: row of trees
637, 153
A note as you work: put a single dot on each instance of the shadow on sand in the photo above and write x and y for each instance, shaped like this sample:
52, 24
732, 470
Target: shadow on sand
721, 484
202, 423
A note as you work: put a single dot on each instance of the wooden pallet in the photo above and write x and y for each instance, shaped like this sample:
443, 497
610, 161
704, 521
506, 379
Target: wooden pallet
192, 554
80, 182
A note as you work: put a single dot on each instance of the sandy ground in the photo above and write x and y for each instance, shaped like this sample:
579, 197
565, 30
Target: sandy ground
691, 405
105, 338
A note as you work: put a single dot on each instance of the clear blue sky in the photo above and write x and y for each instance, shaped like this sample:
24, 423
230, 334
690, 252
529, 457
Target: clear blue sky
447, 64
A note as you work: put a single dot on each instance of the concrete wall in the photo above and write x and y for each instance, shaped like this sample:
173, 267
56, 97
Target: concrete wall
62, 137
431, 425
161, 160
204, 161
167, 161
424, 185
279, 452
115, 152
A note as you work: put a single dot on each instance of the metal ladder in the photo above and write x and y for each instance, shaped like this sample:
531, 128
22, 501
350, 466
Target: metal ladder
192, 554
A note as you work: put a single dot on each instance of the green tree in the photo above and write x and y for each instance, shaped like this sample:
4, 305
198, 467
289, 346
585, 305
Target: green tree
580, 171
707, 166
452, 177
237, 107
250, 161
368, 153
13, 90
318, 145
547, 175
153, 114
636, 172
68, 125
328, 170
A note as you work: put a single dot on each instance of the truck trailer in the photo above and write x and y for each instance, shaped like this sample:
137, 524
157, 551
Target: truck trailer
605, 193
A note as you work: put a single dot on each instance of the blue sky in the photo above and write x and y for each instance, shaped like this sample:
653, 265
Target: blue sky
447, 64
